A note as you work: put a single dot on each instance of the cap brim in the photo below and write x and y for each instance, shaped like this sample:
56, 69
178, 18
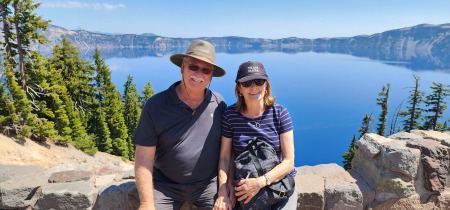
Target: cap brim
177, 59
252, 77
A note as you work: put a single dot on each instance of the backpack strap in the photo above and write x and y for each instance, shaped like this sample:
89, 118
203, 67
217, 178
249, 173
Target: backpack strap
251, 149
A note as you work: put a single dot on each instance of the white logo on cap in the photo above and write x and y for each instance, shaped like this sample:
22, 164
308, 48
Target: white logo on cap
253, 69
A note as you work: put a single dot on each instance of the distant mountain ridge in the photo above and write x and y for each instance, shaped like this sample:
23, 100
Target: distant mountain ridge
408, 44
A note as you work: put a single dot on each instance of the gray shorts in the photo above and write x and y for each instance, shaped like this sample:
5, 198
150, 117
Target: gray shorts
172, 198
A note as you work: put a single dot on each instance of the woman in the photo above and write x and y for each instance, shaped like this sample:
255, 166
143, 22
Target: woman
255, 114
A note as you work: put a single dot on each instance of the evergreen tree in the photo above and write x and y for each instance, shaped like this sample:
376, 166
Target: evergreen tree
382, 101
147, 92
8, 33
348, 156
38, 74
26, 24
77, 75
99, 126
132, 111
102, 134
436, 106
66, 67
365, 126
413, 112
25, 118
7, 109
113, 107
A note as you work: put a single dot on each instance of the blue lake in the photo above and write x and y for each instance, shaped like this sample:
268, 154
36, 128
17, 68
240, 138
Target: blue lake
326, 94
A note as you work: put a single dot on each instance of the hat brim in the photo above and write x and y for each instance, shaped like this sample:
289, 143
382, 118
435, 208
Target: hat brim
252, 77
177, 59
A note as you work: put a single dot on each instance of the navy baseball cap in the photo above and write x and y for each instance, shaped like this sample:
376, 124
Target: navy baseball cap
251, 70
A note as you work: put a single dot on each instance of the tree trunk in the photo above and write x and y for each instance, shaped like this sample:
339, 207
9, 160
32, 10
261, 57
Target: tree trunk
19, 45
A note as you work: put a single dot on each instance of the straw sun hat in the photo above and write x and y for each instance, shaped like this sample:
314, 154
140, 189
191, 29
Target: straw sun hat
203, 51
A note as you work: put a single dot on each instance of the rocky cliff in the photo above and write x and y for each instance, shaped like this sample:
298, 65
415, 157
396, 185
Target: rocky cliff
418, 47
403, 171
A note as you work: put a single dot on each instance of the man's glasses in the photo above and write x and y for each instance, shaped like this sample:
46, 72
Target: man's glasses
195, 67
258, 82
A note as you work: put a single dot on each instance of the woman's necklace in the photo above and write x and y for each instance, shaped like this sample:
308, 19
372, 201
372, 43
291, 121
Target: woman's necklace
259, 119
257, 124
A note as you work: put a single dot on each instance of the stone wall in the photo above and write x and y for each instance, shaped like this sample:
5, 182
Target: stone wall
404, 171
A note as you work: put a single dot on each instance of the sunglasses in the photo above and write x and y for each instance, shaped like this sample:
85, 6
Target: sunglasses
258, 82
195, 67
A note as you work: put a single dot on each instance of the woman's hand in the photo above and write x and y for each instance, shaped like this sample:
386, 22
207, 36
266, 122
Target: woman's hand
247, 188
223, 203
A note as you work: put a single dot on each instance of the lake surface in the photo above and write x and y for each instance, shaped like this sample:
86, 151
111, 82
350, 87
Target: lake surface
326, 94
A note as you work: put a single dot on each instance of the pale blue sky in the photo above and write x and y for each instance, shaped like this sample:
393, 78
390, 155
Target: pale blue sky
246, 18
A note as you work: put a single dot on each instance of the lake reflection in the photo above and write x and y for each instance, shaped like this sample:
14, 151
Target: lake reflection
326, 94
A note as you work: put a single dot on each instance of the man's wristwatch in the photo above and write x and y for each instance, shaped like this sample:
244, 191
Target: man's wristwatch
267, 180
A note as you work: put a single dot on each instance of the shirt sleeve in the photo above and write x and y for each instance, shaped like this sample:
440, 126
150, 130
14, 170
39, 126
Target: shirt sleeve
284, 120
145, 134
226, 126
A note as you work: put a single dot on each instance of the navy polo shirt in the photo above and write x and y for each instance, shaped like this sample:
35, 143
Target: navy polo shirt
187, 141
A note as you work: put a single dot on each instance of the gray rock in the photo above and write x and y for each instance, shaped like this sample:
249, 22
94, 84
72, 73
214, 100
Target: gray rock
66, 196
310, 190
18, 185
396, 157
405, 136
342, 195
371, 144
124, 195
70, 176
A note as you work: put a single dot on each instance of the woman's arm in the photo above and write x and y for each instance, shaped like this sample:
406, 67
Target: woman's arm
287, 164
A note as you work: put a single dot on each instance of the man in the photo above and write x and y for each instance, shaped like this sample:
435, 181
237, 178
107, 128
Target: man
178, 136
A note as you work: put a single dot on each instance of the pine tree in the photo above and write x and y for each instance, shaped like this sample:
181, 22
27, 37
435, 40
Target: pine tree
382, 101
113, 107
132, 111
77, 75
38, 74
26, 24
71, 100
348, 156
98, 126
26, 119
365, 126
413, 112
8, 33
147, 92
436, 106
7, 109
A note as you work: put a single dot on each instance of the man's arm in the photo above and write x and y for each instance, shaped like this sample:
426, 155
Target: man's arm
143, 169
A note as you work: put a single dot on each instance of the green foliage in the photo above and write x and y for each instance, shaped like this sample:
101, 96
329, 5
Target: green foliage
7, 109
24, 119
436, 104
77, 75
147, 92
365, 126
110, 100
26, 24
348, 156
413, 112
132, 111
382, 101
99, 127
